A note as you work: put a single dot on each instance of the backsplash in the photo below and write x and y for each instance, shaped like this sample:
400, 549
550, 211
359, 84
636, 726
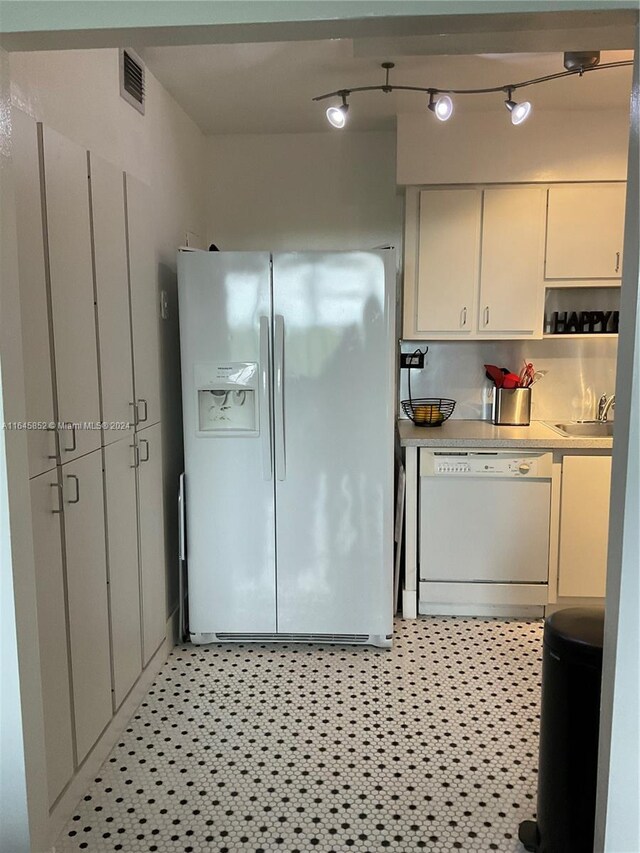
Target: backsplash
579, 371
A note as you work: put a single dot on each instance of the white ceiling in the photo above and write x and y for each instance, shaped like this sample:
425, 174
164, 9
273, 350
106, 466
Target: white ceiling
268, 88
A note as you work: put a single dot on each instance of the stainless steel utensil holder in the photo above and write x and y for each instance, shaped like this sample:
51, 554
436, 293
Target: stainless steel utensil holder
512, 406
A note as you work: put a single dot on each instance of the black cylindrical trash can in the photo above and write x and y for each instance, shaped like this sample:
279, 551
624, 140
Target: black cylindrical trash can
569, 721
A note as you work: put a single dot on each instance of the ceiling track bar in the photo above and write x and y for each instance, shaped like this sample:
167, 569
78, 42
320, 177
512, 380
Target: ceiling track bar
386, 87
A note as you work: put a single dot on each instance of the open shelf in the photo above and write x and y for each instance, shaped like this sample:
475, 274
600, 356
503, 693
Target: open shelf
580, 336
562, 284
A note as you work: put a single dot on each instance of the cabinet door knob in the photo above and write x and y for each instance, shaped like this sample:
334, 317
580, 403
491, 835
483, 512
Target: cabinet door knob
617, 261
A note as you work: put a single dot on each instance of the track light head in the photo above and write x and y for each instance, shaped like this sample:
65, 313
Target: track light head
337, 116
519, 112
441, 108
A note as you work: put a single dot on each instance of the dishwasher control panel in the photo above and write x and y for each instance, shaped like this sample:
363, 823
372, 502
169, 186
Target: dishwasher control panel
485, 463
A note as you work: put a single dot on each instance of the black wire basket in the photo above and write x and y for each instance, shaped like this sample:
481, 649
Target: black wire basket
428, 411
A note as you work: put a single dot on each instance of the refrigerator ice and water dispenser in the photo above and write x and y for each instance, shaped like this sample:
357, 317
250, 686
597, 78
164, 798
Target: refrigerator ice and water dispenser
227, 398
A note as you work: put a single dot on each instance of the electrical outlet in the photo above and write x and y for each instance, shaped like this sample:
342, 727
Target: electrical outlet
412, 360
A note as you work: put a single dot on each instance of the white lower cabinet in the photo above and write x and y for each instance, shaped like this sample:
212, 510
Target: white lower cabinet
46, 502
88, 598
122, 554
584, 526
151, 532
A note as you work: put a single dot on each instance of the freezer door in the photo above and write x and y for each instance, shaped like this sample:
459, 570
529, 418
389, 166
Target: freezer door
333, 437
225, 311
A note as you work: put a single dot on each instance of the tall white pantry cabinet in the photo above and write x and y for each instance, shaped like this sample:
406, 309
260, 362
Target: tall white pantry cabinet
91, 354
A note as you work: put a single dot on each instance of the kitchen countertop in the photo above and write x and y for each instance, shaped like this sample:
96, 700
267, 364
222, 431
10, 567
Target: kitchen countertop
466, 433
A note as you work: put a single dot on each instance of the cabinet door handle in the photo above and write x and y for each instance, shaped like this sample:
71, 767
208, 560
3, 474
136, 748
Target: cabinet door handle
146, 412
57, 486
134, 409
74, 444
77, 482
464, 316
146, 444
617, 261
136, 456
486, 315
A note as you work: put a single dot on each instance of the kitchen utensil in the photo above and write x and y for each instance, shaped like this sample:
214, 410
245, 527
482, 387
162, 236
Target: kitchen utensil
538, 375
525, 379
511, 380
495, 374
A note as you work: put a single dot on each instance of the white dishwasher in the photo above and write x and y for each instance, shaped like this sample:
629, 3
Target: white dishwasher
484, 531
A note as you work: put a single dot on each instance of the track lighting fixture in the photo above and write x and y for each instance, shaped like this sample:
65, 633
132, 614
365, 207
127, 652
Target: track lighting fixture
519, 112
337, 116
442, 106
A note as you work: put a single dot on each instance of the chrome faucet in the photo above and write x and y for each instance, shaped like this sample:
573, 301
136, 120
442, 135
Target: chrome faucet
605, 404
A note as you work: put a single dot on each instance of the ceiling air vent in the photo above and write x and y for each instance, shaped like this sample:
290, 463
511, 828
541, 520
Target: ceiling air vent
132, 78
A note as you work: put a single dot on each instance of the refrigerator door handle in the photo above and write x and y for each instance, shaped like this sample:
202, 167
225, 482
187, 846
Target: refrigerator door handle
182, 551
182, 556
281, 459
265, 400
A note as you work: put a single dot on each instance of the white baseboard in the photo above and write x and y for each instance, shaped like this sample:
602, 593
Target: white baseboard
409, 604
487, 611
563, 603
64, 807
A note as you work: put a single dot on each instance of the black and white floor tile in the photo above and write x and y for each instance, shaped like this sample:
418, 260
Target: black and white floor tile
298, 748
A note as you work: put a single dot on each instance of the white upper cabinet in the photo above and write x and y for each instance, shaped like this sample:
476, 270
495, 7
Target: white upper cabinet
72, 295
585, 230
112, 296
511, 295
474, 263
33, 295
448, 261
145, 301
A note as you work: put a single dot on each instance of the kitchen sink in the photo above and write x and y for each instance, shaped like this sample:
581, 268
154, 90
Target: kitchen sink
586, 429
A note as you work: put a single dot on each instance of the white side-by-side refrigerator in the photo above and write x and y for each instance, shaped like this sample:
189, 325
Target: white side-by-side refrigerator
288, 364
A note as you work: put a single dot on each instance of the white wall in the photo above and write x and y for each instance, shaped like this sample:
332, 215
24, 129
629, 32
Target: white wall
618, 813
484, 147
16, 688
303, 191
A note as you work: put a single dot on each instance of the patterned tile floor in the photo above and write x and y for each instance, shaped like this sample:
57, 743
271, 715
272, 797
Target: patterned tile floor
297, 748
